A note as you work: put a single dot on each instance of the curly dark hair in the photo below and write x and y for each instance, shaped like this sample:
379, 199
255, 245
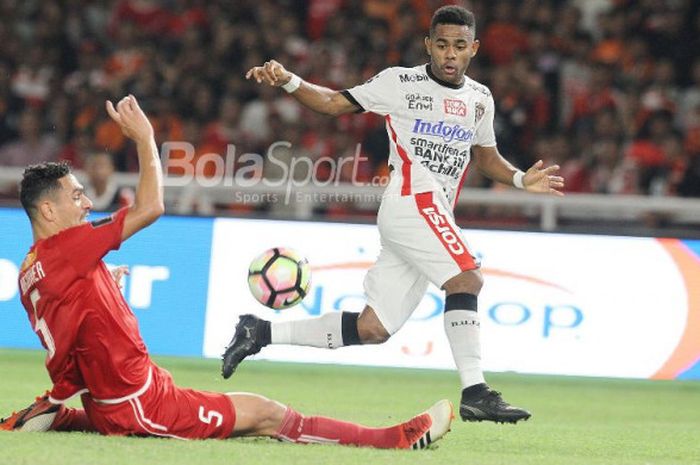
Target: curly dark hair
453, 15
39, 180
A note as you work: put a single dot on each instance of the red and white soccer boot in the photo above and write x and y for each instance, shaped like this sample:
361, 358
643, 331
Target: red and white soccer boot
38, 417
422, 430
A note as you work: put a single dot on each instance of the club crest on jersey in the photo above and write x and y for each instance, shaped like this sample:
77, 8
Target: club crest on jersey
479, 110
455, 107
448, 132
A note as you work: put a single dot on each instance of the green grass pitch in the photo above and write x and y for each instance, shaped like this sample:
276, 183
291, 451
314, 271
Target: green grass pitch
575, 420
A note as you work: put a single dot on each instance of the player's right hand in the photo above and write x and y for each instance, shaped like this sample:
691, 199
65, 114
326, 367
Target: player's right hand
131, 119
272, 73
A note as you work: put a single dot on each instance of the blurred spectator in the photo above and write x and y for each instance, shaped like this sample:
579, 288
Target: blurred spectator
33, 146
100, 186
610, 89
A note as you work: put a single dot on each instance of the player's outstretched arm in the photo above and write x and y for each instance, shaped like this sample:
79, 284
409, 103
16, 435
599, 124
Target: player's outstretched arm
148, 204
536, 179
318, 98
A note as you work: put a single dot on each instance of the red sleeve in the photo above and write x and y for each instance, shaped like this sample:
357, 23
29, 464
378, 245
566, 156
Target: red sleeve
84, 246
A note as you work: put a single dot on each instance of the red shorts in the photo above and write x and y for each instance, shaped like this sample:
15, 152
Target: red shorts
165, 410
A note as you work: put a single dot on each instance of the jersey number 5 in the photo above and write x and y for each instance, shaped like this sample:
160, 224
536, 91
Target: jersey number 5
40, 326
211, 415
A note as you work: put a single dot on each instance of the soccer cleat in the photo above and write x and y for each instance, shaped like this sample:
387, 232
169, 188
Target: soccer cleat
38, 417
422, 430
488, 405
247, 340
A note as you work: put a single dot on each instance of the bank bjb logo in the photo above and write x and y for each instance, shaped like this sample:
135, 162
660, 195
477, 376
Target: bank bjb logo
455, 107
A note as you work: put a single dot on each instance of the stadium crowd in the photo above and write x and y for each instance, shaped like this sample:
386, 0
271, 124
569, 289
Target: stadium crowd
609, 89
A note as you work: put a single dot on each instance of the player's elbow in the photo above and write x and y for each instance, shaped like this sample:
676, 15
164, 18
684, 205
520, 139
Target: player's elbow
150, 212
158, 209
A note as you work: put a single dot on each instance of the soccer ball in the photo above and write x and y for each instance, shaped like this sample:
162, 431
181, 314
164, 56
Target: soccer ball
279, 278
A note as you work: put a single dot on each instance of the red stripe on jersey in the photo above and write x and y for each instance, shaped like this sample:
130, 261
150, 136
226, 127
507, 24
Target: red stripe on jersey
459, 188
444, 231
406, 162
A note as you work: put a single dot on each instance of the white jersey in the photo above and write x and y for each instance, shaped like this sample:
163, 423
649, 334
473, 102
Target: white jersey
432, 125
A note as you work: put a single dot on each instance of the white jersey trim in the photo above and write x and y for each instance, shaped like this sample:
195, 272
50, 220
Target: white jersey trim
119, 400
62, 401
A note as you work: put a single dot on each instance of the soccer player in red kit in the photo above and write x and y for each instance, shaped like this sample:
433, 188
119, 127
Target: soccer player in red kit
94, 348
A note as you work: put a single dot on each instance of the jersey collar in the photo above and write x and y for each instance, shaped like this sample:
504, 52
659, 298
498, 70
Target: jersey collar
440, 81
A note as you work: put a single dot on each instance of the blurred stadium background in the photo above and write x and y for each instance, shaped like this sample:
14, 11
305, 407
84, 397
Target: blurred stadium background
608, 89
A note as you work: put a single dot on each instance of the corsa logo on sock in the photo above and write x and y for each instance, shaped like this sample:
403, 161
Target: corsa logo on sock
449, 238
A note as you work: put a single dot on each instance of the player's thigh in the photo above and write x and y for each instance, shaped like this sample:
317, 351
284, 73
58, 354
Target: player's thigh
193, 414
394, 288
172, 412
422, 231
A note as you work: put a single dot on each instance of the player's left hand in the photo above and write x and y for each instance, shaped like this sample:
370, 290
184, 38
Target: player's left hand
118, 273
543, 180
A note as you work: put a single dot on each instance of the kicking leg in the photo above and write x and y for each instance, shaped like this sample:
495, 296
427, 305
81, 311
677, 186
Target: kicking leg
259, 416
330, 331
393, 287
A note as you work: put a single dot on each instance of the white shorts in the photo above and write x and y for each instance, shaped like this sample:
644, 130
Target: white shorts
420, 244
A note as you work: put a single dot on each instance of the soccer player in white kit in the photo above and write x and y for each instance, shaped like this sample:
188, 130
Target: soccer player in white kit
436, 119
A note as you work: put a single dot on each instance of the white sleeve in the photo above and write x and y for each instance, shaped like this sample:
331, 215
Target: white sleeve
485, 135
377, 95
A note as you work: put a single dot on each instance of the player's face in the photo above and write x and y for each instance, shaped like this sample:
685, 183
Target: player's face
451, 47
71, 204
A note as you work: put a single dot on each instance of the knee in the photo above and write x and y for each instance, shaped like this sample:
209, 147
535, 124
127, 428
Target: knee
256, 415
374, 335
469, 282
271, 414
370, 329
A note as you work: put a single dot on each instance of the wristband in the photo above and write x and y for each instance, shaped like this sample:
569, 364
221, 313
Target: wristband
518, 179
293, 84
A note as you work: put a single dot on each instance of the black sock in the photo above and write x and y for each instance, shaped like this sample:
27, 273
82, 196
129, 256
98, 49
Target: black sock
263, 333
474, 391
349, 328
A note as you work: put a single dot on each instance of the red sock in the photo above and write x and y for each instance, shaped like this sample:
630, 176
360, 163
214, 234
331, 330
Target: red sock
298, 428
72, 419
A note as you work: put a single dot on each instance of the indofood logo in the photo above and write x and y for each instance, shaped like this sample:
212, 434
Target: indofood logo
448, 132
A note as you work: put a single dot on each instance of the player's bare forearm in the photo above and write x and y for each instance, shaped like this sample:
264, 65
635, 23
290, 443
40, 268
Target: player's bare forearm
318, 98
537, 178
149, 191
148, 203
491, 164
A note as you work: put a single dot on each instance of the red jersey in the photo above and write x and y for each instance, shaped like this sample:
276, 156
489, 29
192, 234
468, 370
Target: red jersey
75, 307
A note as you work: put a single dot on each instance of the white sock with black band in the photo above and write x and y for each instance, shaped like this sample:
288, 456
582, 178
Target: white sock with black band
329, 331
463, 329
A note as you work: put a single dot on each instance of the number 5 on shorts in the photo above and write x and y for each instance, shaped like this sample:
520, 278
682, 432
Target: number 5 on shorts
207, 419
